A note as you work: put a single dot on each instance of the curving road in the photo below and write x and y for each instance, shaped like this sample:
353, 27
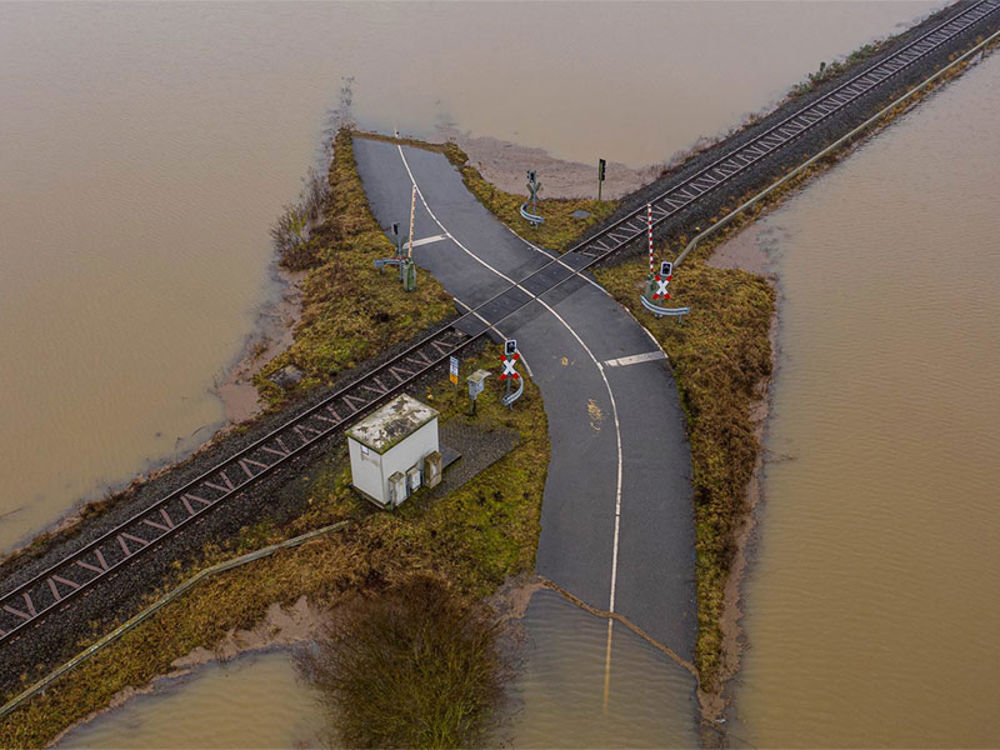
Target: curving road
617, 519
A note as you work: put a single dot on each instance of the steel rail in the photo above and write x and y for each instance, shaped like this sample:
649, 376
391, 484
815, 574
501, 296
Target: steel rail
675, 199
61, 582
90, 564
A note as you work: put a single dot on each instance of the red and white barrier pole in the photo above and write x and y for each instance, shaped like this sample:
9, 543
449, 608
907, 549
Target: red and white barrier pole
649, 224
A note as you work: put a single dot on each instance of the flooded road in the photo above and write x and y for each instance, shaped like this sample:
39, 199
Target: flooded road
147, 148
873, 607
556, 700
558, 696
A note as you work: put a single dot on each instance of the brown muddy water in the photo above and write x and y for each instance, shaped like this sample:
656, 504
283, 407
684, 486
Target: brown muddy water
556, 700
218, 706
873, 606
148, 147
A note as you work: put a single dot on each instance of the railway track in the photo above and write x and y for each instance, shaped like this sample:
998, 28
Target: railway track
781, 134
56, 587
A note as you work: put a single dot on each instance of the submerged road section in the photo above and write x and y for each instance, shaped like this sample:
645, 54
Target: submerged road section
617, 517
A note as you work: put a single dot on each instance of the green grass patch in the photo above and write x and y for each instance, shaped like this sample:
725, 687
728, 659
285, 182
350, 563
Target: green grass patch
351, 311
474, 538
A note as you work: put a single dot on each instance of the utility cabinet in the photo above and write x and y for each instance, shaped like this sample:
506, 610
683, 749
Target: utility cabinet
388, 450
432, 469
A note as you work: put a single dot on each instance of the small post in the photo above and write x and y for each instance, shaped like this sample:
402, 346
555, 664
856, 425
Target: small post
509, 361
413, 210
477, 382
533, 187
601, 164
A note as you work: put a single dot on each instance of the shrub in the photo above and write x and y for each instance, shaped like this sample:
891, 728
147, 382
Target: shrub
417, 666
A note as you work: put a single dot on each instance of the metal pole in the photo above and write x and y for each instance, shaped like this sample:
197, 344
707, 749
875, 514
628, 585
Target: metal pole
649, 225
413, 210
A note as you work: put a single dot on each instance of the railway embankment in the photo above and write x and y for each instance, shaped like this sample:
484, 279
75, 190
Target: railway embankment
351, 312
676, 230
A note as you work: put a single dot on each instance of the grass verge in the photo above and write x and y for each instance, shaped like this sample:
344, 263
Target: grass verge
560, 229
350, 310
475, 538
720, 354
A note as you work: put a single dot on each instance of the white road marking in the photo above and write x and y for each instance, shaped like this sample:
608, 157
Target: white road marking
597, 364
429, 240
496, 330
635, 359
590, 281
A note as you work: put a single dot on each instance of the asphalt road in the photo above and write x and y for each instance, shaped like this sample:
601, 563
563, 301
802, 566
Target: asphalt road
617, 518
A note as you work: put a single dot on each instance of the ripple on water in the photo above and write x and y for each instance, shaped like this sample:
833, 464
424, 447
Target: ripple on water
558, 696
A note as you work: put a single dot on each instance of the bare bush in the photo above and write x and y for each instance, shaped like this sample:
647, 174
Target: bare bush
417, 666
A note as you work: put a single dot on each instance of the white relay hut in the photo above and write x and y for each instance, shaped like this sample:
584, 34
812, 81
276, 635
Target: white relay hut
392, 449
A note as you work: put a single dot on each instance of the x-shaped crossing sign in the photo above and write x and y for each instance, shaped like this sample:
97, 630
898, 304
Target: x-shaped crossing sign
662, 282
508, 367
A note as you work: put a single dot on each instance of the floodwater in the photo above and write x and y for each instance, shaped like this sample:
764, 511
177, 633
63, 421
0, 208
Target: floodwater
873, 610
218, 706
558, 697
147, 149
556, 700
